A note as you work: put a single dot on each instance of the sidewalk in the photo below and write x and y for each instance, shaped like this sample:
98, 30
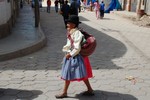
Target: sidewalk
24, 39
125, 14
144, 21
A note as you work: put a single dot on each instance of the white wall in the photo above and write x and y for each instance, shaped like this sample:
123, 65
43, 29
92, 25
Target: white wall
134, 5
5, 11
148, 7
107, 2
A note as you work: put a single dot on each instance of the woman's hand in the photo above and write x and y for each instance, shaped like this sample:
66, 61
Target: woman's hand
68, 56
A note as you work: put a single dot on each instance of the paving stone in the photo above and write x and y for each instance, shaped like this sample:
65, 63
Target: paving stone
3, 83
42, 97
24, 94
6, 97
11, 92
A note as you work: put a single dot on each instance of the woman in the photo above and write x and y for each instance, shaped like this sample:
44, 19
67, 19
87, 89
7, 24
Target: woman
75, 67
96, 8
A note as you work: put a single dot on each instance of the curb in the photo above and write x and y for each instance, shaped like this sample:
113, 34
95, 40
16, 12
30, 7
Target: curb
37, 45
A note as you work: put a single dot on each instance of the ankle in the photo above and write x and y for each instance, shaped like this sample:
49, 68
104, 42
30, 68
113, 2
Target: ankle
64, 93
90, 90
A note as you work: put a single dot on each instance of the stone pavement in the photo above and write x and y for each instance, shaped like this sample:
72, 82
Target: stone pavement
24, 38
121, 64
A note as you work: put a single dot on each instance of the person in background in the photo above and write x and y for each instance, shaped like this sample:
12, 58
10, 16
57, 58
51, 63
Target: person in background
48, 6
79, 5
75, 67
61, 3
21, 3
56, 5
74, 8
102, 9
97, 9
65, 12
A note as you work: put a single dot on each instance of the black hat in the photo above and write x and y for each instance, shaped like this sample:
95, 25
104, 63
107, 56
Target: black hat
74, 19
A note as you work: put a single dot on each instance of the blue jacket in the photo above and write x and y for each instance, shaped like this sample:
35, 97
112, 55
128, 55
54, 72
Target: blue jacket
102, 6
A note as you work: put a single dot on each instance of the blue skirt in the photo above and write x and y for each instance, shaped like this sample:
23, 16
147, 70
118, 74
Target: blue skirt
73, 68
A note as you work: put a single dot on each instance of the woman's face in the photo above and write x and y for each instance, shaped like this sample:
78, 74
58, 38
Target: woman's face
70, 26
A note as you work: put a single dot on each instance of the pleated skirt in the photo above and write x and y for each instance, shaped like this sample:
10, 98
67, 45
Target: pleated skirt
76, 68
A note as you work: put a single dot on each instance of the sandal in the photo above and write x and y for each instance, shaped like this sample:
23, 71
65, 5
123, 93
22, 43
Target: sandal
88, 93
60, 96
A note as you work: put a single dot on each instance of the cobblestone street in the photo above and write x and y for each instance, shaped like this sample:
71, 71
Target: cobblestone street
121, 62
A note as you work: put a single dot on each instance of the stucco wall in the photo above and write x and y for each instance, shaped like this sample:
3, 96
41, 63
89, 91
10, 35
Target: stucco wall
107, 2
134, 5
5, 12
7, 16
148, 7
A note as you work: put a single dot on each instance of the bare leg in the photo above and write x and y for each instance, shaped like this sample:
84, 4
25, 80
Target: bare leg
64, 93
89, 91
96, 13
67, 83
87, 83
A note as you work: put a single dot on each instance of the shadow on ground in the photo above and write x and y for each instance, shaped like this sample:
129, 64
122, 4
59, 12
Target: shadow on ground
105, 95
15, 94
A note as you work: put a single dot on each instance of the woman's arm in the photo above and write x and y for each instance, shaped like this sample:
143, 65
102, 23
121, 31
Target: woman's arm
77, 38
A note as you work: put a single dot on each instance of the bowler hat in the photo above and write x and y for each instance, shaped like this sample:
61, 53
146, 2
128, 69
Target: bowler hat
74, 19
